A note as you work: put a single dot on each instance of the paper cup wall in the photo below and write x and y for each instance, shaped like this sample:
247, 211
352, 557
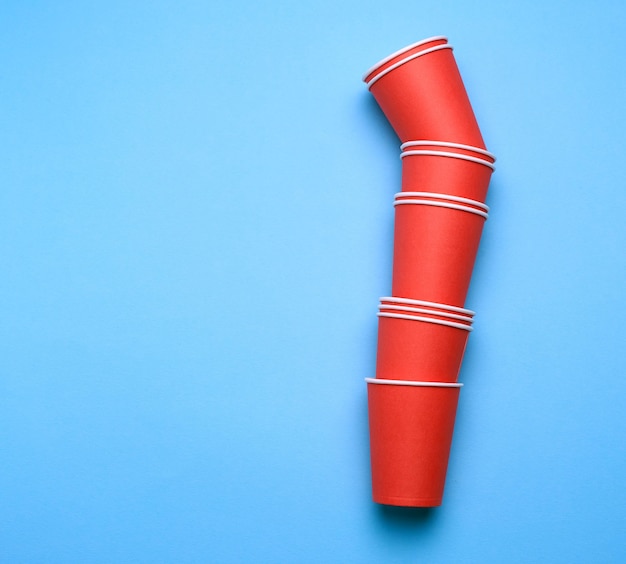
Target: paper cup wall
411, 426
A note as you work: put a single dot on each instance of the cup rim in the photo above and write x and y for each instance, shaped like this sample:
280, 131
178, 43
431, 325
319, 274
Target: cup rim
418, 384
428, 312
427, 304
406, 60
403, 50
423, 142
450, 155
459, 207
452, 324
440, 196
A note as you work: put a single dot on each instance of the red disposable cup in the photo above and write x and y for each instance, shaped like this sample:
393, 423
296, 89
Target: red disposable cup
446, 170
397, 300
411, 426
420, 347
435, 247
421, 92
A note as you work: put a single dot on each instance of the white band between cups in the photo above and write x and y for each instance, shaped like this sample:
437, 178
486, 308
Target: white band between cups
426, 320
437, 195
423, 142
442, 205
411, 310
434, 305
412, 383
449, 155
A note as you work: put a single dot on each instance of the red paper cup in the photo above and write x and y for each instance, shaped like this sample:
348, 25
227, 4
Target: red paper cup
411, 426
395, 300
446, 170
420, 347
435, 247
421, 92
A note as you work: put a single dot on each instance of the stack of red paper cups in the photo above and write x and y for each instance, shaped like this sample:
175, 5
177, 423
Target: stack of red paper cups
423, 328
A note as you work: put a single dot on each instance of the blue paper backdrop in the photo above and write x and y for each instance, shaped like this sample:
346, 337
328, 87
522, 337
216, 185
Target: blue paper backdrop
196, 226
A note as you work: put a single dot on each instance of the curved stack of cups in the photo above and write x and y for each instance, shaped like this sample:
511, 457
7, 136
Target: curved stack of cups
423, 328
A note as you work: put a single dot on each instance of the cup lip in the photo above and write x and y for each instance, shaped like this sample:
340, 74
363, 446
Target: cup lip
465, 318
459, 207
423, 142
440, 196
406, 60
403, 50
452, 324
427, 304
417, 384
448, 154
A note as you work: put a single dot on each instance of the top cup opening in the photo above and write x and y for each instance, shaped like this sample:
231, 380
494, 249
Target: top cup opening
387, 61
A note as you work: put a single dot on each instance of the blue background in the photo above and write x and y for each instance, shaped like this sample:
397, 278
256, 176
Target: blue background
196, 226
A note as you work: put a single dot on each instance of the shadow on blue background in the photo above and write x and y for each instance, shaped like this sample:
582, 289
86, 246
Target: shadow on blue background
406, 519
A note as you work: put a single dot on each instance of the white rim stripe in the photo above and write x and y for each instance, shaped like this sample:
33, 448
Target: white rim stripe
450, 155
403, 50
426, 320
411, 383
441, 205
427, 304
406, 60
428, 312
447, 144
444, 197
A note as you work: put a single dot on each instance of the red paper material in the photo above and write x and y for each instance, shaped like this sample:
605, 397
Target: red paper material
425, 98
445, 174
419, 347
440, 214
411, 431
434, 252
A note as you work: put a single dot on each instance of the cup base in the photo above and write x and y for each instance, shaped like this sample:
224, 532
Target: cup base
408, 501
